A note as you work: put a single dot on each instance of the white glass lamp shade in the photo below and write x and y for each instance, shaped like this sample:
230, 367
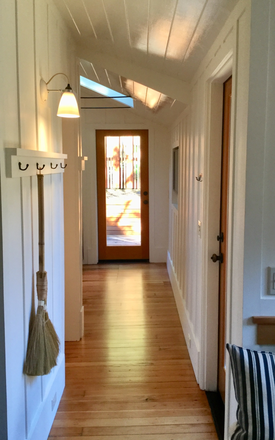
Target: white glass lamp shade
68, 107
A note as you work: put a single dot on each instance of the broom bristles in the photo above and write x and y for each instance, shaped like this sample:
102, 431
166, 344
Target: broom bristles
35, 358
42, 351
52, 334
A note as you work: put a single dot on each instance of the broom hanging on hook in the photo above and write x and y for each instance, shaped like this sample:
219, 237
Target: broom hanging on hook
43, 344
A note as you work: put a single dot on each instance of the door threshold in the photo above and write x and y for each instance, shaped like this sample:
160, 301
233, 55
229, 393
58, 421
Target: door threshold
122, 261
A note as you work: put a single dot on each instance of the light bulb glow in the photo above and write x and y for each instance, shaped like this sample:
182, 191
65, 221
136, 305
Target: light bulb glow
68, 107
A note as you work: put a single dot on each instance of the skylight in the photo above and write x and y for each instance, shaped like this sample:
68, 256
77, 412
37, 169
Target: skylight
149, 97
105, 91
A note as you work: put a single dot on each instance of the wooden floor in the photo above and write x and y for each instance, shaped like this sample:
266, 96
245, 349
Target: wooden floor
130, 378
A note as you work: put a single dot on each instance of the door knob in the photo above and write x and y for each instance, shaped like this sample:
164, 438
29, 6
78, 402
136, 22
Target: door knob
145, 193
220, 237
145, 202
216, 258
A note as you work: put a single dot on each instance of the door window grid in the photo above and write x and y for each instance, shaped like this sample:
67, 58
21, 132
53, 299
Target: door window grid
122, 155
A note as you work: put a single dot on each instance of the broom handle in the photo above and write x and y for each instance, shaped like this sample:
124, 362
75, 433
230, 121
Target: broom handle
41, 241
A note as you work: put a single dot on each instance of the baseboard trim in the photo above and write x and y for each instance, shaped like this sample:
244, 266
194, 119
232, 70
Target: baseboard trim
187, 326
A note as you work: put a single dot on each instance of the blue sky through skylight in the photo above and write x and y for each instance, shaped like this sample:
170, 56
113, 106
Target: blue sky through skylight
105, 91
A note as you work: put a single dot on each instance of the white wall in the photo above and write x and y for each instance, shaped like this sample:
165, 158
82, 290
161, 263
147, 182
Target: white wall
193, 275
159, 157
260, 192
34, 44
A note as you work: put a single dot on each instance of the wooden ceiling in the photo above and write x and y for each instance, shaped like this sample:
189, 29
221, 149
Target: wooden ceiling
158, 43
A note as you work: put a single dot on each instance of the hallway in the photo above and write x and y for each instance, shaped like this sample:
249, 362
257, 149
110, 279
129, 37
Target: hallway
130, 377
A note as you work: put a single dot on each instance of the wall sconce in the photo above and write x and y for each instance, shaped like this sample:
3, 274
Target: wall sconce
67, 107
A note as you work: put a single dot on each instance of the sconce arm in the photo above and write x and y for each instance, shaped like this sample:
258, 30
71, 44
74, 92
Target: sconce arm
60, 73
44, 86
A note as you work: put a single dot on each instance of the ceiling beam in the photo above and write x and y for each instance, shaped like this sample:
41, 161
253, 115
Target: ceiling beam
172, 87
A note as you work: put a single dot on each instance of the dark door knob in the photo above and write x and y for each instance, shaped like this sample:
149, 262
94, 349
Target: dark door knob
216, 258
220, 237
145, 202
145, 193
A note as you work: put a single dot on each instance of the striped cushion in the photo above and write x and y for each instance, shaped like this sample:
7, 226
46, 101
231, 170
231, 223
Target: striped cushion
254, 383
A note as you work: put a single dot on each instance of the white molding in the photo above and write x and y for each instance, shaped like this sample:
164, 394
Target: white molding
210, 300
192, 342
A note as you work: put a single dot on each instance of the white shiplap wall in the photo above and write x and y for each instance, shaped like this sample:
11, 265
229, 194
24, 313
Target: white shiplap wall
34, 44
198, 134
159, 155
260, 194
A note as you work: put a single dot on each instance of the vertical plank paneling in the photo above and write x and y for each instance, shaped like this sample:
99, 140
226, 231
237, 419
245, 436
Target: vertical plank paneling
46, 380
26, 73
30, 402
198, 217
13, 303
193, 277
188, 196
57, 263
42, 72
32, 385
191, 197
9, 109
180, 202
183, 207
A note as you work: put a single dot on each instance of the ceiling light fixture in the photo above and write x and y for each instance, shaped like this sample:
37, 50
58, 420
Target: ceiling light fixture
67, 107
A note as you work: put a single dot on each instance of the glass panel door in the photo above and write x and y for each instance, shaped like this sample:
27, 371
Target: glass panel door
122, 194
122, 171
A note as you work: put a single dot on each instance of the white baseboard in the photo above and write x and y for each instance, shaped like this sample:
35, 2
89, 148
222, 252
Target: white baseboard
42, 424
187, 326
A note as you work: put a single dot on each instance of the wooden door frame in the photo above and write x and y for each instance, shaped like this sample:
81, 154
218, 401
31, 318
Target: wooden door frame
227, 92
211, 221
134, 252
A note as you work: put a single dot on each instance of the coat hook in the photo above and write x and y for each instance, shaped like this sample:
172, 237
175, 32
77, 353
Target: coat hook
53, 168
64, 165
23, 169
199, 179
40, 168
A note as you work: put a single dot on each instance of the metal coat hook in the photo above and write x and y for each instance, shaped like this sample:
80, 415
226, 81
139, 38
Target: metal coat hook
23, 169
62, 166
53, 168
40, 168
199, 179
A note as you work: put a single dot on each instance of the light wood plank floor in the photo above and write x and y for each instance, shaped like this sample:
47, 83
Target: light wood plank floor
131, 378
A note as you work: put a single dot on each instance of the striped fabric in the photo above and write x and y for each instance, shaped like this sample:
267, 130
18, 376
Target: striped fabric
254, 383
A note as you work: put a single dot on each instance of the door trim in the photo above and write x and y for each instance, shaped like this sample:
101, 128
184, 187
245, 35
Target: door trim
124, 252
211, 221
227, 93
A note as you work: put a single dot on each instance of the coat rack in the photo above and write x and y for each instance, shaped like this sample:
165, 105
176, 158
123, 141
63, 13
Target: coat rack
24, 163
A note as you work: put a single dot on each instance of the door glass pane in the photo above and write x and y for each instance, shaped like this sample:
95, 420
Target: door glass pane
122, 183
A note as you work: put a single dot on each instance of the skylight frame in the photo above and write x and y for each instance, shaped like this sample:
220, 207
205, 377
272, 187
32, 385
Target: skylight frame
106, 91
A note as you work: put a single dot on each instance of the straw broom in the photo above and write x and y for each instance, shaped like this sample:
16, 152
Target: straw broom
43, 344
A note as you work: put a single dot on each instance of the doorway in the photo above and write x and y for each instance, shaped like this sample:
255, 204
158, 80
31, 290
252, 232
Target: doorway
222, 237
122, 194
220, 127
